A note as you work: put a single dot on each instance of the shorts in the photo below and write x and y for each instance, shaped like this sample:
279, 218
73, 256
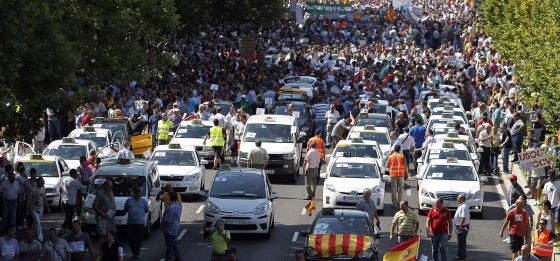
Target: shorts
515, 242
537, 182
104, 225
217, 151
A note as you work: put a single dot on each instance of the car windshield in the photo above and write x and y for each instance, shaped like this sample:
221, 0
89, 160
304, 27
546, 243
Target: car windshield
451, 172
380, 137
192, 131
44, 168
276, 133
444, 121
362, 151
373, 121
114, 127
283, 110
122, 184
100, 139
341, 225
238, 185
449, 153
67, 152
354, 170
174, 158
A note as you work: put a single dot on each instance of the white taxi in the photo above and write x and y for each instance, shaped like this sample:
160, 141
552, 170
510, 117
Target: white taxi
449, 178
101, 137
444, 150
446, 118
455, 111
467, 140
70, 150
372, 133
346, 180
179, 166
53, 169
357, 147
192, 133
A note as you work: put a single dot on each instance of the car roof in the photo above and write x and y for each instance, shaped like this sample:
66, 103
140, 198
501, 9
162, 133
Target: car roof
439, 145
205, 123
27, 158
458, 163
183, 148
239, 170
337, 212
276, 119
136, 167
365, 142
362, 129
355, 160
77, 142
97, 130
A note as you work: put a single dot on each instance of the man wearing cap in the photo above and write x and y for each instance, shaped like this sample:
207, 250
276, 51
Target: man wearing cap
543, 242
217, 142
515, 190
258, 157
164, 127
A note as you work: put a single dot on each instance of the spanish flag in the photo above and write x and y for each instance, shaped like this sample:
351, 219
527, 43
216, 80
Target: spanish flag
405, 251
328, 245
310, 207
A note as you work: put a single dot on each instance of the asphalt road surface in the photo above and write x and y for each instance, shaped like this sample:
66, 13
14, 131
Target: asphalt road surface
483, 241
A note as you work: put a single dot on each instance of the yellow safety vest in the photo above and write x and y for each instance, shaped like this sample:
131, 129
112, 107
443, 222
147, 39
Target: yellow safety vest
216, 136
163, 129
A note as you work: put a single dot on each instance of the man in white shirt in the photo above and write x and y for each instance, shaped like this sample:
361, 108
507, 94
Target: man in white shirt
125, 152
39, 139
331, 116
461, 221
220, 117
551, 191
407, 142
485, 139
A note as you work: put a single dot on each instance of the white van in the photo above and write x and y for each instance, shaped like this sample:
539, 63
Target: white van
281, 139
125, 175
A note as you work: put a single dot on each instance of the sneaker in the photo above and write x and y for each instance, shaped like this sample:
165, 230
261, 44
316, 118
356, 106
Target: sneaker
506, 240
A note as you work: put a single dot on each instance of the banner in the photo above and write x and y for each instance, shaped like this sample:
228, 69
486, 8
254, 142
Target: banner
330, 245
397, 4
405, 251
320, 8
534, 159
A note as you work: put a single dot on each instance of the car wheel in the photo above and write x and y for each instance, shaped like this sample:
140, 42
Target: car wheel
148, 227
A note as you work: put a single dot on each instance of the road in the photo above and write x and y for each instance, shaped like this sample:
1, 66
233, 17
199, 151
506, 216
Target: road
483, 241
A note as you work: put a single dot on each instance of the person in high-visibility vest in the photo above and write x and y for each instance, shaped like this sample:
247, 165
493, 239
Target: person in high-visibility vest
397, 170
164, 127
217, 141
320, 147
543, 241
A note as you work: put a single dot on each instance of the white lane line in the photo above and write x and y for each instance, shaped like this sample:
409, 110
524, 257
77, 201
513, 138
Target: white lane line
294, 238
303, 211
199, 209
501, 191
183, 232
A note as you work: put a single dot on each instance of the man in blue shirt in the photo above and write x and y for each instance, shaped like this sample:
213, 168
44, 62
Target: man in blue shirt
136, 207
171, 226
320, 109
153, 122
418, 132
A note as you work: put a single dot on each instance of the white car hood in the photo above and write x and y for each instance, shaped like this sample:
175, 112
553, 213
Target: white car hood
384, 147
72, 164
350, 184
239, 205
177, 170
450, 186
270, 147
51, 182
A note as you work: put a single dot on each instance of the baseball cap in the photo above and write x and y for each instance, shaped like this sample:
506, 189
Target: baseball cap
512, 177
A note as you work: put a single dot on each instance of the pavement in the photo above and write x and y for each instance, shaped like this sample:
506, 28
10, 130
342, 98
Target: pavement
483, 241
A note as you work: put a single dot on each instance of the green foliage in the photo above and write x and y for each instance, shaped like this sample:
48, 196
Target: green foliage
527, 33
47, 45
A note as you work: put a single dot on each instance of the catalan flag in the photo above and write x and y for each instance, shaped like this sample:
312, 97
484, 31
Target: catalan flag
405, 251
346, 2
310, 207
390, 14
328, 245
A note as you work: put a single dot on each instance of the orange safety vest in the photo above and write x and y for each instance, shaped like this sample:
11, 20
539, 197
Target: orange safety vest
541, 247
396, 166
319, 147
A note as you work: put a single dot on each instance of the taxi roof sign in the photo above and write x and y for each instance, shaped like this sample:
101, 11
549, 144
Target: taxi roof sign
369, 127
448, 145
88, 129
451, 124
447, 116
452, 160
68, 140
357, 140
445, 98
448, 108
453, 135
174, 145
36, 157
269, 119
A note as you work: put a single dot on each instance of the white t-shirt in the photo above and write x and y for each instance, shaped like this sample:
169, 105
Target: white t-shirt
552, 192
462, 212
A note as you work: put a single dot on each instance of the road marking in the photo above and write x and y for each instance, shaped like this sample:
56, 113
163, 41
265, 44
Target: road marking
501, 191
183, 232
303, 211
294, 238
199, 209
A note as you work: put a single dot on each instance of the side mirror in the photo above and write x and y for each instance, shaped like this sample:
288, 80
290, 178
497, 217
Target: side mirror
65, 174
274, 195
301, 139
154, 192
203, 162
302, 134
203, 193
323, 175
171, 134
304, 233
385, 178
479, 150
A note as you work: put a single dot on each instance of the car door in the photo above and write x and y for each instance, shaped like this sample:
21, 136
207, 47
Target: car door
21, 149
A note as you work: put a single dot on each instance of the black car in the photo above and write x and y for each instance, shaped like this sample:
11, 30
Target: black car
346, 225
306, 119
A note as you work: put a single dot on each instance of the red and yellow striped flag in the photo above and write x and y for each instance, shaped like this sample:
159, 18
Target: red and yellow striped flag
390, 14
405, 251
346, 2
310, 207
328, 245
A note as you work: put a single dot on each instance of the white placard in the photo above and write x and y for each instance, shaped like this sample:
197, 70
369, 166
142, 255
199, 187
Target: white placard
346, 88
159, 154
356, 69
77, 246
268, 101
403, 107
342, 165
99, 181
250, 135
388, 109
260, 111
295, 114
182, 130
214, 87
534, 159
437, 175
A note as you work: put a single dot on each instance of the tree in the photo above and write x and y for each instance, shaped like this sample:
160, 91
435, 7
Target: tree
47, 45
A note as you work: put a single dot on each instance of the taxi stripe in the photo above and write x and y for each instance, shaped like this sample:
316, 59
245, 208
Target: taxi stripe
359, 244
345, 243
332, 244
318, 240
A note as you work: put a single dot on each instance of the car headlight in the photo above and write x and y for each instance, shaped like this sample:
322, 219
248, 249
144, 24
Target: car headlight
288, 156
192, 177
366, 254
211, 207
243, 155
426, 193
261, 209
474, 196
330, 187
376, 189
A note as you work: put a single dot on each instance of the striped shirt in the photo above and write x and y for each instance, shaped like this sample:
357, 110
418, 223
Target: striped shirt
406, 222
320, 110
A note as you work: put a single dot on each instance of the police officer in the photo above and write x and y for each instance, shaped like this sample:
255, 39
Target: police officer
164, 126
258, 157
217, 141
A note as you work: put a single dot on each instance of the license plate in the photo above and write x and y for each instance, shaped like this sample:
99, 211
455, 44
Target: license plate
450, 204
237, 222
351, 198
269, 171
